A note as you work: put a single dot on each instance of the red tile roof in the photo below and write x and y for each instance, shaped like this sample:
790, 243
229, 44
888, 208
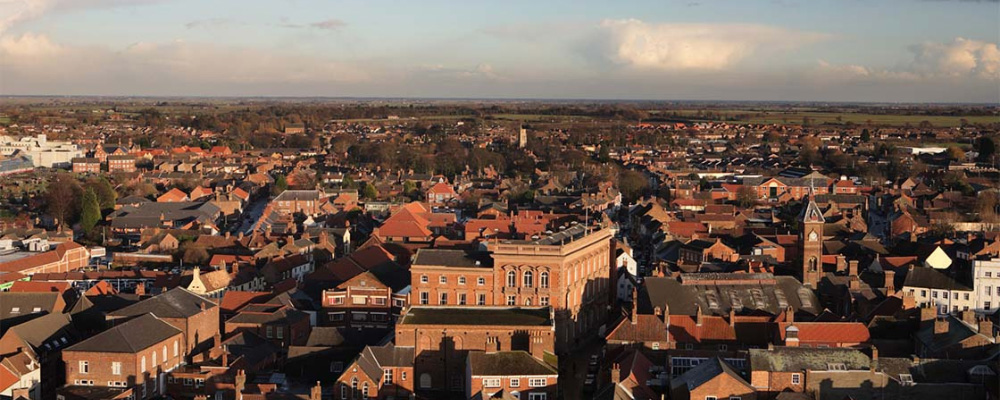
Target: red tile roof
39, 286
828, 332
685, 329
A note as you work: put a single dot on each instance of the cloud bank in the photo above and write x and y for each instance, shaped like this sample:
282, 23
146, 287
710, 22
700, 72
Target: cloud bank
634, 43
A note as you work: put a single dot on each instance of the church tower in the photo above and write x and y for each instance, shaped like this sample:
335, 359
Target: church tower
812, 243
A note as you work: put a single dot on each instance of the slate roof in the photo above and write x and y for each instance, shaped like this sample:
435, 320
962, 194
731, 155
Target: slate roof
452, 258
130, 337
507, 363
373, 358
716, 296
923, 277
502, 316
706, 371
958, 331
175, 303
795, 359
26, 302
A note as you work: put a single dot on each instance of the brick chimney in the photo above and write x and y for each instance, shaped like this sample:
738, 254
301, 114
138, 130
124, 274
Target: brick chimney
791, 336
616, 373
986, 327
855, 282
732, 317
940, 326
852, 268
316, 393
140, 289
841, 263
698, 317
789, 315
927, 315
969, 317
890, 282
909, 302
241, 383
635, 305
874, 363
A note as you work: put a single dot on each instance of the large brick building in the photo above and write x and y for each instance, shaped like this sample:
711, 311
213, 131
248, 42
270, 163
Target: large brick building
196, 316
442, 338
570, 271
133, 355
66, 257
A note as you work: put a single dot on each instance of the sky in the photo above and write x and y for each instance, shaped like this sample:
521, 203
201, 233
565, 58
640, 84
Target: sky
770, 50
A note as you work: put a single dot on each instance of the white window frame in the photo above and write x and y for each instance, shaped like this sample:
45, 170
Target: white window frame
537, 382
514, 382
796, 379
492, 382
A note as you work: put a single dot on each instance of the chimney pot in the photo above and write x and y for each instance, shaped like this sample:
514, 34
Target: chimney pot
940, 326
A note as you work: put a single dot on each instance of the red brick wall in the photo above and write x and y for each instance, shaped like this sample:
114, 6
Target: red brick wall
100, 365
522, 386
434, 288
441, 350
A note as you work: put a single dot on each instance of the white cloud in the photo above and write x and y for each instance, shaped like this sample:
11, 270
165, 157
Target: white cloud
15, 12
33, 60
673, 46
960, 58
330, 24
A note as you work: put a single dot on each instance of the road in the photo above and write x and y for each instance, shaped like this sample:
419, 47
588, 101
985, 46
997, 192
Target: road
254, 211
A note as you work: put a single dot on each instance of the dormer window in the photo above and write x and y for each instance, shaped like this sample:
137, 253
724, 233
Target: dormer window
906, 379
836, 367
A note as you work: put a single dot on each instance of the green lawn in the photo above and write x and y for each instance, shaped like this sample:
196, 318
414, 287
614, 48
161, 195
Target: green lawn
819, 118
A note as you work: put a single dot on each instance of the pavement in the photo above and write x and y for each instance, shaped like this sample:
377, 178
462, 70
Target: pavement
255, 210
573, 371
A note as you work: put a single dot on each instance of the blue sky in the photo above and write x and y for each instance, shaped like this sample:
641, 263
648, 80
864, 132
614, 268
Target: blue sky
846, 50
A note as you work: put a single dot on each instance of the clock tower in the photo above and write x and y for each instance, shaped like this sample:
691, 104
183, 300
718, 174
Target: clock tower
812, 243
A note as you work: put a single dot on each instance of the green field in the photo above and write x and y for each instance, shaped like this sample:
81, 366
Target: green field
819, 118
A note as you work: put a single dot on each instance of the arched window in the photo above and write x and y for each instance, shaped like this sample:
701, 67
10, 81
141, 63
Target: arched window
154, 358
528, 279
364, 390
812, 264
143, 364
425, 381
543, 280
175, 348
511, 279
164, 353
527, 302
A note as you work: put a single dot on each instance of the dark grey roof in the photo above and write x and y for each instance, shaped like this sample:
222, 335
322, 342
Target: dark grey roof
742, 292
452, 258
503, 316
373, 358
49, 329
175, 303
923, 277
130, 337
793, 359
283, 314
706, 371
957, 332
22, 304
507, 363
172, 211
291, 195
325, 336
